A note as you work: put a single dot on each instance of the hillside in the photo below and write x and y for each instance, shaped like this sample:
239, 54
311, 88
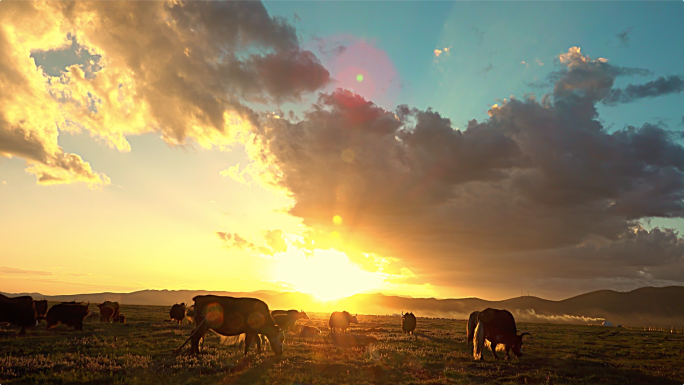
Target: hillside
648, 306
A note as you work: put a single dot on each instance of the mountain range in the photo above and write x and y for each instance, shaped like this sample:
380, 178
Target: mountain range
648, 306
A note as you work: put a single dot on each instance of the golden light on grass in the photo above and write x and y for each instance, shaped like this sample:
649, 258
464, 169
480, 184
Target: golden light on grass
327, 274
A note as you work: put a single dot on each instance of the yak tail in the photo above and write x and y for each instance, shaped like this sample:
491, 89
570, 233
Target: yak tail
478, 341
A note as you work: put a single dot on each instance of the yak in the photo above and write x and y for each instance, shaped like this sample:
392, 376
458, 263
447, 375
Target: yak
309, 331
106, 312
408, 323
229, 316
113, 305
119, 319
68, 314
341, 320
177, 313
470, 328
497, 327
41, 309
286, 319
19, 311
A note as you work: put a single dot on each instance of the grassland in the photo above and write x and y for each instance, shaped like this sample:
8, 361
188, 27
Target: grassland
141, 352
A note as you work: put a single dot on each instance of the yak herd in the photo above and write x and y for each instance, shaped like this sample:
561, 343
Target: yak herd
229, 316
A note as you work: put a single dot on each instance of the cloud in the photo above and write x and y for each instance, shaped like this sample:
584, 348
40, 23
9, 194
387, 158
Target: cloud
186, 70
659, 87
479, 35
488, 68
271, 243
533, 189
14, 270
624, 37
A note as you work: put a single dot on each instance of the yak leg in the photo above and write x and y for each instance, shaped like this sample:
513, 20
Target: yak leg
249, 338
196, 336
493, 347
22, 331
508, 357
258, 343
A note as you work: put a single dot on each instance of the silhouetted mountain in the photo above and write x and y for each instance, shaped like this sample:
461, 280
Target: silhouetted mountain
648, 306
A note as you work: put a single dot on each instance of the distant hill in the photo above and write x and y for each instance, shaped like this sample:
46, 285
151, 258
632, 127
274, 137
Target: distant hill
648, 306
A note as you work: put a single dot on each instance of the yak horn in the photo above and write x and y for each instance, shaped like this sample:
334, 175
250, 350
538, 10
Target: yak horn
525, 334
87, 304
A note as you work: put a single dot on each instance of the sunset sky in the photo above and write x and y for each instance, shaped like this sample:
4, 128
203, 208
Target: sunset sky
432, 149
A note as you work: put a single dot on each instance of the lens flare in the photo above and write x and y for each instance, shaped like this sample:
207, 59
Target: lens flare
337, 220
348, 155
335, 235
214, 315
359, 77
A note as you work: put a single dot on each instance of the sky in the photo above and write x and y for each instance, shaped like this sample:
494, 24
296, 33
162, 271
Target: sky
431, 149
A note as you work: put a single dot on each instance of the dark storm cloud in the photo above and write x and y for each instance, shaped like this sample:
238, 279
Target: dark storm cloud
662, 86
540, 189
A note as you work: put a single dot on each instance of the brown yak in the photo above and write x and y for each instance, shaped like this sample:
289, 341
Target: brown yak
106, 313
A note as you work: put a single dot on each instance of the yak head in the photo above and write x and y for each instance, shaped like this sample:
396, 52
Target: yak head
276, 337
517, 346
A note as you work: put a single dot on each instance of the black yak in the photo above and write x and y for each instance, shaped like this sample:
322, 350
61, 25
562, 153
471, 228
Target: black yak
341, 320
408, 323
19, 311
497, 327
286, 319
41, 309
229, 316
177, 312
470, 328
68, 314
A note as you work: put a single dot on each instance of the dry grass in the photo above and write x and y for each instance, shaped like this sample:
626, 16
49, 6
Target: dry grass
141, 352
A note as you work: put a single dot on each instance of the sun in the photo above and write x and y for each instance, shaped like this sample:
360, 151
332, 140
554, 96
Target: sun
327, 274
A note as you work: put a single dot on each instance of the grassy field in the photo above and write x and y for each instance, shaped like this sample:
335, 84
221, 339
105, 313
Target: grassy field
141, 352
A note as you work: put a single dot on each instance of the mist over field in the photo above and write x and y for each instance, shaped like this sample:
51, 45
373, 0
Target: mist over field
661, 307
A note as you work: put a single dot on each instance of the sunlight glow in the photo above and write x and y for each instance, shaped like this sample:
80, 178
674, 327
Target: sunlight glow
327, 274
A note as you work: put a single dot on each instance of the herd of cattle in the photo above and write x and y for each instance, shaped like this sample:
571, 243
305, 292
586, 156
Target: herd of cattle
230, 316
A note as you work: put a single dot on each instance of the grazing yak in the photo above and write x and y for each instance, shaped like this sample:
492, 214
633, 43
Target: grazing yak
119, 319
498, 328
113, 305
106, 313
68, 314
41, 309
177, 313
470, 328
341, 320
309, 331
286, 319
229, 316
19, 311
408, 323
